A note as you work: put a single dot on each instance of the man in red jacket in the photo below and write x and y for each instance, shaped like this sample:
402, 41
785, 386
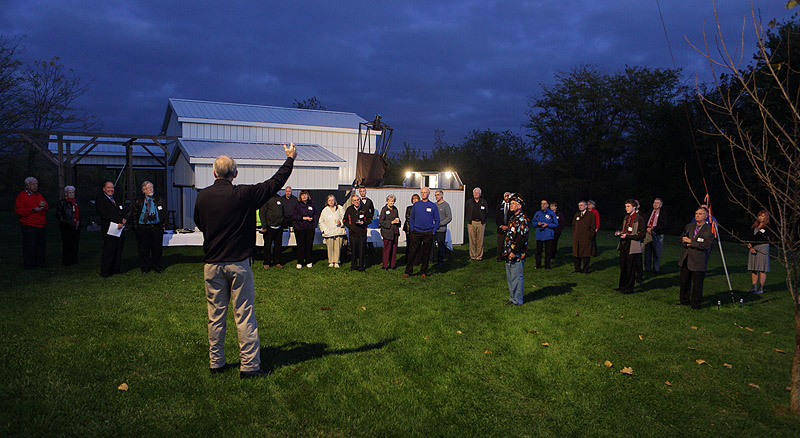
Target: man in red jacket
31, 207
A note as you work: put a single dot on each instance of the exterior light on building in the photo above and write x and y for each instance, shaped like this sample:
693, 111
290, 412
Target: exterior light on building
448, 175
408, 174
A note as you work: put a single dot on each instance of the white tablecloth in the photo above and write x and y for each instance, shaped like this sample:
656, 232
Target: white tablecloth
196, 238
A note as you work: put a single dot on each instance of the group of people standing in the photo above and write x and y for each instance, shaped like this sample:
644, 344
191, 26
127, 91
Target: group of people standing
146, 215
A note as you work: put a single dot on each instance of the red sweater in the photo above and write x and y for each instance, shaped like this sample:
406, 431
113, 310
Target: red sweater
24, 206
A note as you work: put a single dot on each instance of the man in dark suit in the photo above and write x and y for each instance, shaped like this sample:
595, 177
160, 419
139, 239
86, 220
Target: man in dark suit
696, 241
656, 227
110, 211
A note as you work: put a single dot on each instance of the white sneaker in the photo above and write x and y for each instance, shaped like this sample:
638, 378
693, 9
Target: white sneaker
335, 265
299, 266
309, 265
330, 265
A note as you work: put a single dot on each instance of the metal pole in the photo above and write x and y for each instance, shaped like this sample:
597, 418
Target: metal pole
724, 265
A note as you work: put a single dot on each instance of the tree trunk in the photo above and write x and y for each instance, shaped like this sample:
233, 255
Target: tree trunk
795, 404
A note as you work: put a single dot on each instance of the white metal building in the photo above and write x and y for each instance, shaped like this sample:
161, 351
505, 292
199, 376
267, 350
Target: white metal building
327, 146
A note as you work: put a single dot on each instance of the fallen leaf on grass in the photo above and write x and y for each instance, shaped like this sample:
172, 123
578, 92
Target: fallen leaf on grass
363, 308
641, 338
701, 361
727, 365
531, 331
767, 333
459, 332
780, 351
691, 348
667, 383
123, 387
324, 308
608, 363
487, 351
753, 385
452, 293
737, 325
694, 327
627, 370
545, 344
426, 338
788, 388
749, 329
621, 316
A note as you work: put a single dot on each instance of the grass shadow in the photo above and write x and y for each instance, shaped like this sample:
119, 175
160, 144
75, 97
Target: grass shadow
294, 352
548, 291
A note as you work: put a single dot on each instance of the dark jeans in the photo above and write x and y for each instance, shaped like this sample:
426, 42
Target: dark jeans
70, 238
691, 286
358, 245
34, 244
556, 236
273, 245
305, 243
440, 237
419, 251
547, 245
111, 263
149, 241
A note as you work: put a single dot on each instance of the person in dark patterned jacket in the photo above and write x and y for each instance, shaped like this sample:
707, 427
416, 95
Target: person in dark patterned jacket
515, 249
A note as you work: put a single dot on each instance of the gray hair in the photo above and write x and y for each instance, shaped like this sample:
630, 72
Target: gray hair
30, 179
329, 197
591, 202
392, 197
225, 167
69, 189
440, 192
477, 189
145, 183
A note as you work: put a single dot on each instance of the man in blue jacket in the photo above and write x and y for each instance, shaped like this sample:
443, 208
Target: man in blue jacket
546, 223
423, 223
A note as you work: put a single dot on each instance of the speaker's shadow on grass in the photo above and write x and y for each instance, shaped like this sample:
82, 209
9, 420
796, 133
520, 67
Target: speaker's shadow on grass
295, 352
547, 291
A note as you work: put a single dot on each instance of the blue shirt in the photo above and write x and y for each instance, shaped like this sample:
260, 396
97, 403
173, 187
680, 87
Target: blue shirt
424, 217
148, 208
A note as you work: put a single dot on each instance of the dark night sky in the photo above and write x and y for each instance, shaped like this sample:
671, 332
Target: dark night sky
423, 65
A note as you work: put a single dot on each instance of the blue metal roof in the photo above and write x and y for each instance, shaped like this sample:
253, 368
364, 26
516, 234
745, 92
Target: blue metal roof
196, 109
254, 151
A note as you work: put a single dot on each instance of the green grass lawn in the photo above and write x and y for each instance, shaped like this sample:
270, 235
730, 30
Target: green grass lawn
369, 354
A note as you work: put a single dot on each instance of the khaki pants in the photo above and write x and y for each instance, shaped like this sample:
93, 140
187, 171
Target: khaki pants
232, 283
334, 245
475, 230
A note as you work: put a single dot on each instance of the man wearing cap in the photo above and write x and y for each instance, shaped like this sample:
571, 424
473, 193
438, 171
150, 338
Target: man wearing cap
514, 249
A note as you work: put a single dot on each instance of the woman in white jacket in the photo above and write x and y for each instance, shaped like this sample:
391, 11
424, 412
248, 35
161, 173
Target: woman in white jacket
333, 231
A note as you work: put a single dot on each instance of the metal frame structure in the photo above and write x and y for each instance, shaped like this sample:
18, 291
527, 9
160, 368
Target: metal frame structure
65, 159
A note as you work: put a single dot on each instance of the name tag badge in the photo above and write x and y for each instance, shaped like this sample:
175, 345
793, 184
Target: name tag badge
388, 212
547, 216
361, 216
120, 207
310, 208
279, 203
483, 207
159, 207
763, 230
700, 239
577, 218
630, 228
428, 210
